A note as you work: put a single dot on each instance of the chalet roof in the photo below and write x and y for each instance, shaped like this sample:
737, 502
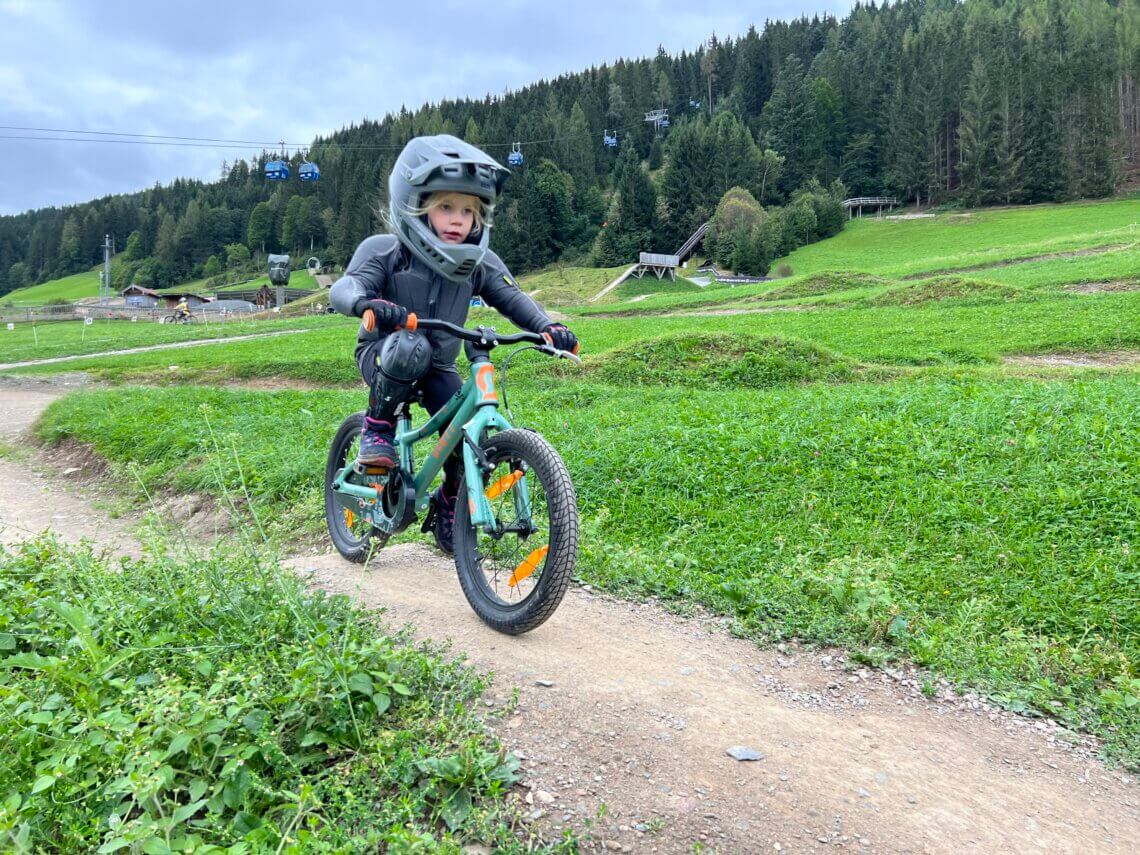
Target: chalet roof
139, 289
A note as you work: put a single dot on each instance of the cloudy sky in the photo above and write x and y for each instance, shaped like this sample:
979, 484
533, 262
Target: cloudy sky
285, 70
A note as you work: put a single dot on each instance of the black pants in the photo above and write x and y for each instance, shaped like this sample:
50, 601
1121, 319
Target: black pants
437, 386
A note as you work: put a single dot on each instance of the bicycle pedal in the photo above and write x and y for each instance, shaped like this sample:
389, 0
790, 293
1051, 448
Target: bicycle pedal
361, 469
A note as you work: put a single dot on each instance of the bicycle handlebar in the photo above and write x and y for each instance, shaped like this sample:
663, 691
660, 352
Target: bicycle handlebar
485, 336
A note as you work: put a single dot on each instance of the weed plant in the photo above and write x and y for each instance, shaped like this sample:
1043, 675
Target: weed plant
214, 705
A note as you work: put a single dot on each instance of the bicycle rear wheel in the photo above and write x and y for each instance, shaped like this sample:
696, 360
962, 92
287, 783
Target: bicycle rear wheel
515, 579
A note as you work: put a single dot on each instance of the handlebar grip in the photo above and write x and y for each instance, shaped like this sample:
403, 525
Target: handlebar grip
411, 323
369, 320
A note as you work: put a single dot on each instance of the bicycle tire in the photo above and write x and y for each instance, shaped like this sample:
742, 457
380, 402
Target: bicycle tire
352, 541
525, 451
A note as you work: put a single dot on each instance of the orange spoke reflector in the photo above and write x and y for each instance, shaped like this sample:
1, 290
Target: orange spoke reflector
529, 565
503, 484
349, 517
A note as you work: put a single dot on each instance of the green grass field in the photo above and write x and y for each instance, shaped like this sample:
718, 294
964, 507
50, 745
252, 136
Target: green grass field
87, 285
864, 470
956, 240
935, 333
297, 279
69, 288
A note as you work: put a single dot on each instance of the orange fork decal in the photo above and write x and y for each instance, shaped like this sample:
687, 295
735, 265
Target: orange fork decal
528, 566
503, 484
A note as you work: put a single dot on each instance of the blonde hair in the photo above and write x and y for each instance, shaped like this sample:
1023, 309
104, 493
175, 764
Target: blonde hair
434, 200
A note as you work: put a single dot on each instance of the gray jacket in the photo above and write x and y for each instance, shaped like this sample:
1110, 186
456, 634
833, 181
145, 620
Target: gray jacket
382, 268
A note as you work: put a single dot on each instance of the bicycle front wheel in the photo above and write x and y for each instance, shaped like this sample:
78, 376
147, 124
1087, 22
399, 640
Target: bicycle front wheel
515, 578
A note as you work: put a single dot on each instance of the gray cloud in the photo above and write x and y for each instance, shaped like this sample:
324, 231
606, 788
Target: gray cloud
288, 70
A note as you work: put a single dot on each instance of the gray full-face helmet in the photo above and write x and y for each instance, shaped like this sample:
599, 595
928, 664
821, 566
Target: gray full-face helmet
442, 163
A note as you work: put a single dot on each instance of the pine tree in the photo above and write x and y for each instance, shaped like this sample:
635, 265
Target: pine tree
69, 249
978, 137
752, 81
788, 124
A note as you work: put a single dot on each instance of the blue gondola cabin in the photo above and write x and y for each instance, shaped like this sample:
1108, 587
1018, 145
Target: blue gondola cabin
277, 170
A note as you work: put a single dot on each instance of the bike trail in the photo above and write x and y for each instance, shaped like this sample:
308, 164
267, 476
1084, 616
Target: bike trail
625, 714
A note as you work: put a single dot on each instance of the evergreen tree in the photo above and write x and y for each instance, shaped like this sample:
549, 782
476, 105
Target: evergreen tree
259, 233
788, 124
978, 138
752, 83
69, 247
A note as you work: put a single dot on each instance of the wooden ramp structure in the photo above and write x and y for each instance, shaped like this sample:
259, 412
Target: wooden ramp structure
659, 264
855, 206
695, 238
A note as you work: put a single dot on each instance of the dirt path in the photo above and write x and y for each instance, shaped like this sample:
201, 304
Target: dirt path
32, 501
637, 708
170, 346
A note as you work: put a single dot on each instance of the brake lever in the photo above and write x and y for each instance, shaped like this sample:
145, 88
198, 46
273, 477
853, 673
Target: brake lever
551, 350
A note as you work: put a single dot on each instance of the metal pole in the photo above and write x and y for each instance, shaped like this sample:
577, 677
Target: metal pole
106, 283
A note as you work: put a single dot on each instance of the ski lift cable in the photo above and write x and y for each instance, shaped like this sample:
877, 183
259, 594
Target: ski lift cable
117, 137
143, 136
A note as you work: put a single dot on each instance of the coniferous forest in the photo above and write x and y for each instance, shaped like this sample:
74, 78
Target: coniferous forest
982, 102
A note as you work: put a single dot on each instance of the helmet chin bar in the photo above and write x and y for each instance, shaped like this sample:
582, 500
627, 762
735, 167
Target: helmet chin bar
454, 261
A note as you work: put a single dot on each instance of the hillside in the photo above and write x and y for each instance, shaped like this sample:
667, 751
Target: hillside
895, 98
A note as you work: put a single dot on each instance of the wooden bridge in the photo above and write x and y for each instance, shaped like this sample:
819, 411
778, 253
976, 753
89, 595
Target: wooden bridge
859, 203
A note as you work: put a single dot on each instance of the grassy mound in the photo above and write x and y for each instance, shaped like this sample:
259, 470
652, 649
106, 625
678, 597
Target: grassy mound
558, 296
823, 283
582, 282
719, 361
956, 288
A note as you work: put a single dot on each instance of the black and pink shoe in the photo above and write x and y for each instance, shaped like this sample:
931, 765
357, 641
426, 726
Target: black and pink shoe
377, 444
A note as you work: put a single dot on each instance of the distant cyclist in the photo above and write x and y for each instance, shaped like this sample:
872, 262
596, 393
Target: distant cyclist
441, 194
182, 311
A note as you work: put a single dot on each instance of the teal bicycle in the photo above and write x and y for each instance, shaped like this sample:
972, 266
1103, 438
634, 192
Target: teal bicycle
516, 518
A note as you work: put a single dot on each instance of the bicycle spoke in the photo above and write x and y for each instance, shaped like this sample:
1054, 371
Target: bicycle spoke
510, 565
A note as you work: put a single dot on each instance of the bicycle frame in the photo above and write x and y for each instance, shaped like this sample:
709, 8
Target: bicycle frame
470, 412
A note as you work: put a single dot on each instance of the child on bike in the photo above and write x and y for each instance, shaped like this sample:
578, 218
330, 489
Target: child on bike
182, 310
442, 193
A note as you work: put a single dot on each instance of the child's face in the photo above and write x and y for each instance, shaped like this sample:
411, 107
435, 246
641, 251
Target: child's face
454, 217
